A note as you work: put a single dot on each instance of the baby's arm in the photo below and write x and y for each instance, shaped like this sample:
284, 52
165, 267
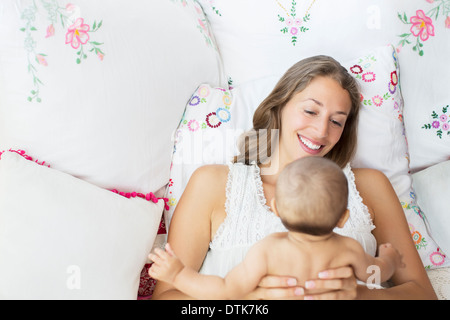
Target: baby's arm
388, 260
238, 282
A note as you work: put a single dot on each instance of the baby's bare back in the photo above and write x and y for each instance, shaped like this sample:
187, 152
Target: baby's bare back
305, 259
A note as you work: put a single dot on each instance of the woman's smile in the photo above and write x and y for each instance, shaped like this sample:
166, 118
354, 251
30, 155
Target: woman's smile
309, 146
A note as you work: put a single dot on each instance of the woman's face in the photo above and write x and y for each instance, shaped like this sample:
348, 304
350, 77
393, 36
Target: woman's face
313, 120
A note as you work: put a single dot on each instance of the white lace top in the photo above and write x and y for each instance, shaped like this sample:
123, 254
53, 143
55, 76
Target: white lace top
249, 219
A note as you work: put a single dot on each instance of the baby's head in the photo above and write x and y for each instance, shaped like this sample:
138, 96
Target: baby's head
311, 195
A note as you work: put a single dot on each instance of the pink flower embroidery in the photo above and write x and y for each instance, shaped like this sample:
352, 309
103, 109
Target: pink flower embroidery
377, 100
443, 117
446, 127
41, 59
77, 33
50, 31
369, 77
422, 26
447, 22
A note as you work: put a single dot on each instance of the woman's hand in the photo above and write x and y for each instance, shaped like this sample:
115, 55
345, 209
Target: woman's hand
276, 287
334, 284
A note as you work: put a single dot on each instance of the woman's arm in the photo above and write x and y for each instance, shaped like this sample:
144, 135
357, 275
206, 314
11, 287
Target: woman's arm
410, 282
190, 228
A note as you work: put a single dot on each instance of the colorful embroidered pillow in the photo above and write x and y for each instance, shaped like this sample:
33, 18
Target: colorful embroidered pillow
382, 144
69, 239
89, 85
206, 135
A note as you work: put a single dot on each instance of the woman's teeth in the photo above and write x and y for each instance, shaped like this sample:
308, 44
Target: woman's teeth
309, 144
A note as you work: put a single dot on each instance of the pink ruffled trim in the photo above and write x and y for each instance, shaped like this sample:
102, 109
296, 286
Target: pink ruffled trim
24, 155
149, 196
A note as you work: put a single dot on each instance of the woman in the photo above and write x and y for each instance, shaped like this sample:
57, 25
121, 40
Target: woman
314, 111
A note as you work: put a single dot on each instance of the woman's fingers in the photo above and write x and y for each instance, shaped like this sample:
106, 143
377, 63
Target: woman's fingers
277, 282
261, 293
337, 283
338, 273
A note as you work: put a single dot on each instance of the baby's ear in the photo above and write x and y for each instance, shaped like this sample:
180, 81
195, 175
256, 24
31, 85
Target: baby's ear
274, 207
343, 219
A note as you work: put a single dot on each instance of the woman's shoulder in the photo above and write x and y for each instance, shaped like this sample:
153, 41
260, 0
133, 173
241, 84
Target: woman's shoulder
368, 176
210, 174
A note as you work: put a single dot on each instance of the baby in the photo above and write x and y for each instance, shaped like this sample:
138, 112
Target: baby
311, 200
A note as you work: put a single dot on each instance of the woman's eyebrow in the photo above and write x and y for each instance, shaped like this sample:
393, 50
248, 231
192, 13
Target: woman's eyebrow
321, 105
314, 100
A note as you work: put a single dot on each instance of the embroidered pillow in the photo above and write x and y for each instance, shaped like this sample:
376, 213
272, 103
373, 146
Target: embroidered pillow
423, 44
89, 85
263, 38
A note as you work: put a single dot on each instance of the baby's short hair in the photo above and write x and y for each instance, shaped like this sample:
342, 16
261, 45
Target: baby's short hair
311, 195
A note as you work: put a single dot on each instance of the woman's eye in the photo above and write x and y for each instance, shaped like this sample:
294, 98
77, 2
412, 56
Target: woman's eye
309, 112
337, 123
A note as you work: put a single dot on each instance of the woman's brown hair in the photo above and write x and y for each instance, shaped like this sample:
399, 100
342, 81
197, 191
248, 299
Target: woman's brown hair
267, 116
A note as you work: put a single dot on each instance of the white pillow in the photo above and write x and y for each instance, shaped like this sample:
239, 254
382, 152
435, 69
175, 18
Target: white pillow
432, 188
256, 37
63, 238
382, 144
424, 46
108, 117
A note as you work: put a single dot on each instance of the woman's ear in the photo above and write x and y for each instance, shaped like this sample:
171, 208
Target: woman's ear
274, 207
343, 219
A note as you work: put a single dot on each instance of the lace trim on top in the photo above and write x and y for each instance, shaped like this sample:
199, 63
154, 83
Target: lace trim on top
249, 218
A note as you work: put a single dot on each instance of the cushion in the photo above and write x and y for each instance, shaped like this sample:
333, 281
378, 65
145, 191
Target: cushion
423, 43
432, 188
96, 88
382, 144
64, 238
263, 38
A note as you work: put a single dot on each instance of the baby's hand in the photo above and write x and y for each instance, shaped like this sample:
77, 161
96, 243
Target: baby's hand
388, 251
165, 266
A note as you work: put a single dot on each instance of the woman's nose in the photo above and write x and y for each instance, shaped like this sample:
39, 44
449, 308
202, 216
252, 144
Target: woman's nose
322, 128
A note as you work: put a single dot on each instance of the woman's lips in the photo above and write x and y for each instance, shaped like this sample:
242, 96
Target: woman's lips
309, 146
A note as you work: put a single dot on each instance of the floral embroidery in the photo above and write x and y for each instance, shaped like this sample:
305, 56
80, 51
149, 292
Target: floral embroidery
377, 100
440, 122
77, 33
194, 101
369, 77
422, 27
292, 24
213, 119
437, 258
193, 125
77, 36
356, 69
202, 23
223, 114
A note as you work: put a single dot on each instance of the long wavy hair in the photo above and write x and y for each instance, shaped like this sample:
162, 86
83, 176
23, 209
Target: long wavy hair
256, 145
